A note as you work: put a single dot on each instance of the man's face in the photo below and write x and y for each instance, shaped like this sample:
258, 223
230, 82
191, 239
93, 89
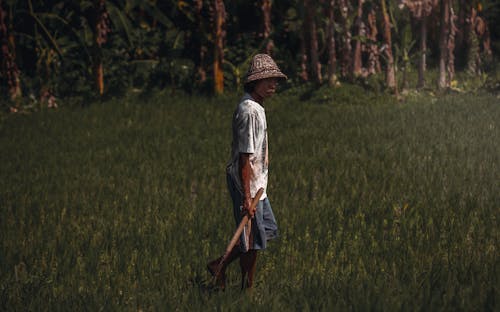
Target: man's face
266, 87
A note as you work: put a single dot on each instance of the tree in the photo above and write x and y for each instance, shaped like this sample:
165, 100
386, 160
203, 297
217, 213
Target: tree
266, 7
476, 32
373, 50
201, 72
443, 47
421, 10
360, 32
450, 68
101, 29
8, 46
473, 56
460, 40
346, 36
97, 46
313, 41
332, 56
304, 75
219, 36
389, 71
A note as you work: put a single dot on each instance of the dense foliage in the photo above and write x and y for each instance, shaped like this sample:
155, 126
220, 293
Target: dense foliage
54, 49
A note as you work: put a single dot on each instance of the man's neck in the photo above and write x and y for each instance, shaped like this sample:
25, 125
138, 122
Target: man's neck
257, 98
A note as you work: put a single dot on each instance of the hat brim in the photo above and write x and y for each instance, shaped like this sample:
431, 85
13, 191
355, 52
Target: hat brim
266, 74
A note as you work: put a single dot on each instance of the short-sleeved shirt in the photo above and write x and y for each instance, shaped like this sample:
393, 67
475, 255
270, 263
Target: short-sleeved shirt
250, 136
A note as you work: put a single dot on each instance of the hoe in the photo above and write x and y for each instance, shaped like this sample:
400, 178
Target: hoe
245, 222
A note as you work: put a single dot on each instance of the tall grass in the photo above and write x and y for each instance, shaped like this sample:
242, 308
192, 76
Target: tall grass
381, 205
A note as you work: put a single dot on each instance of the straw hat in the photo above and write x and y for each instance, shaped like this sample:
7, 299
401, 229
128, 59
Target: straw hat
263, 66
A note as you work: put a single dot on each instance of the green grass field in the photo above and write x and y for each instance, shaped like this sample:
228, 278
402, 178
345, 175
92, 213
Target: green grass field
381, 205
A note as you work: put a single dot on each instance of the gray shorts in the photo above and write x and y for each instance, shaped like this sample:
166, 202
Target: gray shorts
264, 225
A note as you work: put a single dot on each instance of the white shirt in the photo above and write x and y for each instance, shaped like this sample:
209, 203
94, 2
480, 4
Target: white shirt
250, 137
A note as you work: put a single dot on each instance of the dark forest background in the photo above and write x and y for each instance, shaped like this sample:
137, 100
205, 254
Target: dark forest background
89, 49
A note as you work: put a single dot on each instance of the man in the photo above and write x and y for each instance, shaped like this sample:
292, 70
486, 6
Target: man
247, 170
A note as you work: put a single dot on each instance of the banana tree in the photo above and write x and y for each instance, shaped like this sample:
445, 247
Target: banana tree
403, 52
40, 34
55, 36
421, 10
477, 34
122, 21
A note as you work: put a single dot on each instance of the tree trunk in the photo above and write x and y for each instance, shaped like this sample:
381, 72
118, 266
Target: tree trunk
313, 46
423, 52
101, 30
303, 57
357, 62
9, 66
473, 55
443, 47
332, 57
404, 84
420, 10
373, 53
460, 36
220, 33
202, 74
266, 14
450, 66
483, 34
390, 74
346, 60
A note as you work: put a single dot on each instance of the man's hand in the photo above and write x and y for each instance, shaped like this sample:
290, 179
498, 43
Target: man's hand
246, 174
246, 207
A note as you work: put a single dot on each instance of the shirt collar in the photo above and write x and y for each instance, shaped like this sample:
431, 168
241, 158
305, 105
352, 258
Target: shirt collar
247, 96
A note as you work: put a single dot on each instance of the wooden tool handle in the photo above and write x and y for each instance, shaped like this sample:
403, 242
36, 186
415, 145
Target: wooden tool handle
243, 222
237, 234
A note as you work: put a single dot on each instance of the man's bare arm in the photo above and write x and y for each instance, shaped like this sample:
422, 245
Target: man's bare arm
246, 174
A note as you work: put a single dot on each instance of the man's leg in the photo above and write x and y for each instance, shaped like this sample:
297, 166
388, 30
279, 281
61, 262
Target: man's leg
248, 263
214, 264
